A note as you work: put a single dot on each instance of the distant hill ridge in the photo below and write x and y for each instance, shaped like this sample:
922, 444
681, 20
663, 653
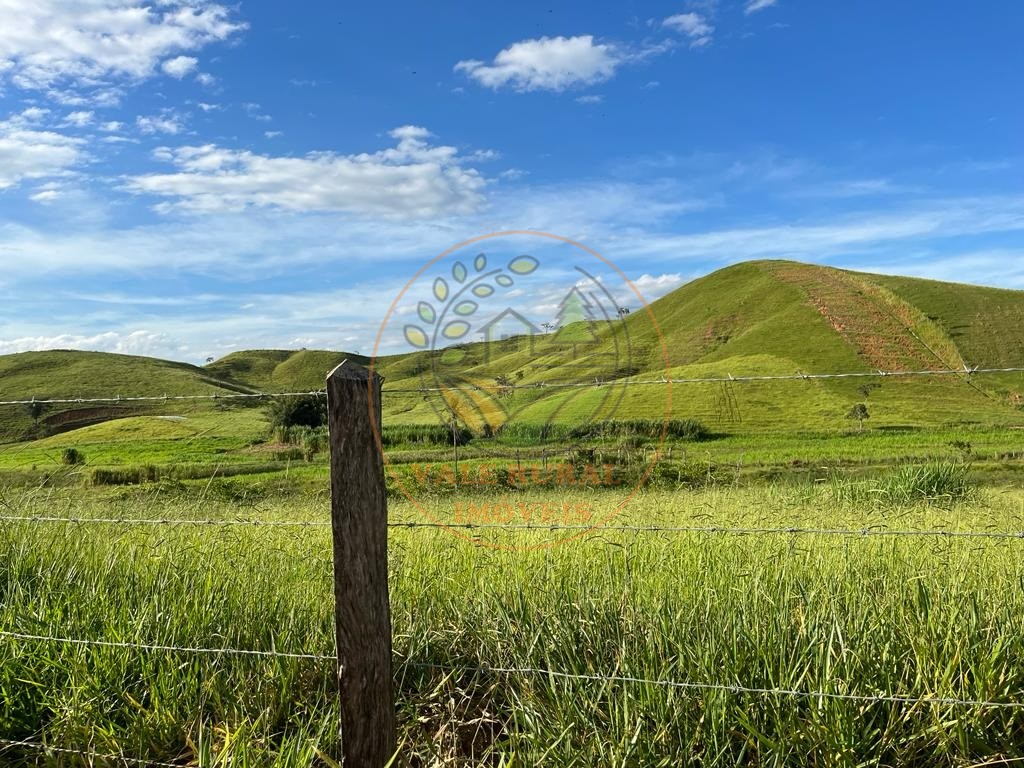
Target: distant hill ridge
756, 317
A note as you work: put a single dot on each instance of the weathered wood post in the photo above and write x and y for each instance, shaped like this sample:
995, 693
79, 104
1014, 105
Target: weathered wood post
362, 610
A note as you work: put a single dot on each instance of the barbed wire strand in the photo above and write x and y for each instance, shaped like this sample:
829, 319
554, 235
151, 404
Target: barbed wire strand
167, 648
535, 671
737, 689
597, 382
164, 521
728, 379
163, 398
11, 743
709, 529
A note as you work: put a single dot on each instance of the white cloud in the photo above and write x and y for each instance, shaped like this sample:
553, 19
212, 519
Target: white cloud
167, 122
33, 114
411, 180
208, 107
652, 287
255, 111
590, 98
112, 126
273, 134
47, 193
547, 63
206, 79
130, 343
51, 44
753, 6
27, 153
79, 119
179, 66
693, 25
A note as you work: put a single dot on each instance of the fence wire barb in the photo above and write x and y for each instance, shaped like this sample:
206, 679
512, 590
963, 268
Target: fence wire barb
534, 385
37, 745
710, 529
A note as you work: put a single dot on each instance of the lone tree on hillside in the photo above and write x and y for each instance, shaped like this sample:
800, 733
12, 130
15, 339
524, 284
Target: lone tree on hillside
36, 410
859, 413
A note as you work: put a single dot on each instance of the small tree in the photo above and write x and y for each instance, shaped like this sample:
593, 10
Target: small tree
36, 410
859, 413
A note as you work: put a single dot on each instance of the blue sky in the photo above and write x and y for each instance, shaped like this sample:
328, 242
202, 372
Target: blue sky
184, 178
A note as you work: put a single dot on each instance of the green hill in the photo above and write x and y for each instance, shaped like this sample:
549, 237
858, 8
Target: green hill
67, 374
279, 370
773, 318
752, 319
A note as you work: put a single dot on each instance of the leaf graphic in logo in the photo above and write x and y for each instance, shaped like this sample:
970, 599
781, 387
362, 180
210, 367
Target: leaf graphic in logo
480, 262
459, 272
504, 281
483, 290
456, 329
426, 313
523, 265
415, 336
440, 289
466, 308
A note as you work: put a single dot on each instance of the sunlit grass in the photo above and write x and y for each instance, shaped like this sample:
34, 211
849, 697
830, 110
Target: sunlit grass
862, 615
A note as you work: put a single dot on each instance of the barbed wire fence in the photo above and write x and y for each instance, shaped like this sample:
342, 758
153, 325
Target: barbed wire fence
482, 669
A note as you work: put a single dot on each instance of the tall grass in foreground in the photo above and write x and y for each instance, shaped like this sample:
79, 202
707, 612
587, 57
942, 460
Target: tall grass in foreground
815, 613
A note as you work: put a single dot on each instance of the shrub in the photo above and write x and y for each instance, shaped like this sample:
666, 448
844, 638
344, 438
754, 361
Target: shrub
72, 457
299, 411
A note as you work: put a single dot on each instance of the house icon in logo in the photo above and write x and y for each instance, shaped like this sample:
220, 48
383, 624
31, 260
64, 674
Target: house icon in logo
512, 333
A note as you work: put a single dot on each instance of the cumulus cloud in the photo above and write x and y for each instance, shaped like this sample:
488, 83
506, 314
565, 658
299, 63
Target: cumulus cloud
693, 25
131, 343
413, 179
48, 44
179, 66
79, 119
753, 6
547, 63
29, 153
167, 122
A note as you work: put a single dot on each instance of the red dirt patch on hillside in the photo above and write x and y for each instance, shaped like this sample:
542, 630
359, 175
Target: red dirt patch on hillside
880, 333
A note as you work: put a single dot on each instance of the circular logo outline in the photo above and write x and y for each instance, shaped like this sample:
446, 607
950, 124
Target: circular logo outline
457, 529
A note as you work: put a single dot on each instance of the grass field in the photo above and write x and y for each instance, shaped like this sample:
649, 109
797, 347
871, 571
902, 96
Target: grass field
920, 617
784, 572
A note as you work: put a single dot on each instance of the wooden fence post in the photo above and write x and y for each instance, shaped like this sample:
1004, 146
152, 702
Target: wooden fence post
362, 610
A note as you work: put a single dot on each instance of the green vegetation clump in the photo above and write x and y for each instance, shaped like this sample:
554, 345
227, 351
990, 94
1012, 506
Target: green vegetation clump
935, 482
72, 457
298, 411
425, 435
654, 429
